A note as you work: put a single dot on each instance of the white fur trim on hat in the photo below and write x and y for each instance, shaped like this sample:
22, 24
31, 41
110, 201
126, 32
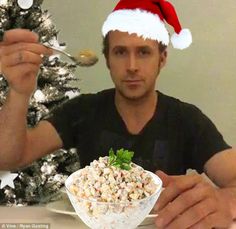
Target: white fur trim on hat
140, 22
181, 40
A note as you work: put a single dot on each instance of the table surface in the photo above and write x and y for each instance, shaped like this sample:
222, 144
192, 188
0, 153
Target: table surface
41, 217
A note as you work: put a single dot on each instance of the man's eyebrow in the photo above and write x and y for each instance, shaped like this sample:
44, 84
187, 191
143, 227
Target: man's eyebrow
143, 47
119, 46
137, 47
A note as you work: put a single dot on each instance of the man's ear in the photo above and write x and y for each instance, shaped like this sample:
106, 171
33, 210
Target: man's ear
107, 62
163, 59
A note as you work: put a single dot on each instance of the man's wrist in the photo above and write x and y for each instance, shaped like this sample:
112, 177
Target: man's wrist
19, 96
229, 194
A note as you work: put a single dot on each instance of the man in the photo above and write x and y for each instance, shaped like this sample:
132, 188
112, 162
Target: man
165, 133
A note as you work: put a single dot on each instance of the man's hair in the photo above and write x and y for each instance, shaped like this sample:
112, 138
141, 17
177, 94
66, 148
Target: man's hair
105, 48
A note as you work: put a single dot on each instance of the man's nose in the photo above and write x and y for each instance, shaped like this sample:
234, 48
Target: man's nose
132, 64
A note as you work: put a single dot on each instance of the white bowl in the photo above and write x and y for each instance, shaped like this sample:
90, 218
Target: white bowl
100, 215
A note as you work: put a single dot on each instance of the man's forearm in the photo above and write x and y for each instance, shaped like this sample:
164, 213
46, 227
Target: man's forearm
13, 126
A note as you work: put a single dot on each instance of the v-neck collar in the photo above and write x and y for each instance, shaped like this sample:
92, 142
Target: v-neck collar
156, 118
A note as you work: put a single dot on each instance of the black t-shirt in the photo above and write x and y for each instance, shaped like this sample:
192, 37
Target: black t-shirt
179, 136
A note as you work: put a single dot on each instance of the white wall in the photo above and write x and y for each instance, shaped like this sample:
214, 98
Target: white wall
203, 75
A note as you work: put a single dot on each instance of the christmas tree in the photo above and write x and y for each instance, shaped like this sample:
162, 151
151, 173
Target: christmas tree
41, 181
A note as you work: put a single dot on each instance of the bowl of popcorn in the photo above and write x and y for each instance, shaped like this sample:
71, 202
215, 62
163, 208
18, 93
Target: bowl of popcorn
112, 192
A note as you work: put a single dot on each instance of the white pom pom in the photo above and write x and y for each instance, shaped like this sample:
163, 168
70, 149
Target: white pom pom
181, 40
39, 96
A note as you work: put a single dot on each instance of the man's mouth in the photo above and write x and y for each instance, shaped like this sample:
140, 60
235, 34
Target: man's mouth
132, 81
133, 84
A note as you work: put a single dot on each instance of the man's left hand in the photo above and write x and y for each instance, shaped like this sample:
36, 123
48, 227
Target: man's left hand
189, 201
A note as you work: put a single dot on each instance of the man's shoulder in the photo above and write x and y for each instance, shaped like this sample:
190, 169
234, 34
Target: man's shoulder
182, 114
176, 103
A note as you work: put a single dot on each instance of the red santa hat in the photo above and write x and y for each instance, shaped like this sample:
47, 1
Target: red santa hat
146, 19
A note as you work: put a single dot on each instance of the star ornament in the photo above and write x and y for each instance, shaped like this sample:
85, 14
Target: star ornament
7, 179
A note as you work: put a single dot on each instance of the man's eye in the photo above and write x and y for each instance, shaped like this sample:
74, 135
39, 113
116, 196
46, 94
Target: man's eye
144, 52
120, 52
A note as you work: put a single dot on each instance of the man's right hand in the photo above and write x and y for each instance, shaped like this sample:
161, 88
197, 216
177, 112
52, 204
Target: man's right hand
20, 59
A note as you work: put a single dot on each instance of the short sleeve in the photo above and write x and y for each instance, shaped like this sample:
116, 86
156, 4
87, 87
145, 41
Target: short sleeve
72, 117
63, 118
204, 139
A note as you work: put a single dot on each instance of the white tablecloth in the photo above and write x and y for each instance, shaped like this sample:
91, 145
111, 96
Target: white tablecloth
40, 217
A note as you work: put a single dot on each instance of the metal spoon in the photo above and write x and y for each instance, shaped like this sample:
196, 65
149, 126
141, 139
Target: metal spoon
85, 58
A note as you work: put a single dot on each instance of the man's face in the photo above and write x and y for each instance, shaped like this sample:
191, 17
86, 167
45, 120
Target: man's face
134, 64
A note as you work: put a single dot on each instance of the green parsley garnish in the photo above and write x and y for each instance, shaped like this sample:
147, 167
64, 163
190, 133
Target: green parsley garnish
122, 158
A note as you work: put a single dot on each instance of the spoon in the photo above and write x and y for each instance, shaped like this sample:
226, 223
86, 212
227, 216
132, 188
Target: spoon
85, 58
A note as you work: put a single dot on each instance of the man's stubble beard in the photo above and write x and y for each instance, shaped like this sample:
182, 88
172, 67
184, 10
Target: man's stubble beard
132, 98
143, 95
136, 98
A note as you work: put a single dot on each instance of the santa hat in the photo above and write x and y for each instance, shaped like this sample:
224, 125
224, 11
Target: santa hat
146, 19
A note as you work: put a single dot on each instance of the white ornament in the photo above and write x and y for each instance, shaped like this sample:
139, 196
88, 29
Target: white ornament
39, 96
7, 178
47, 169
62, 71
72, 94
60, 178
3, 2
25, 4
